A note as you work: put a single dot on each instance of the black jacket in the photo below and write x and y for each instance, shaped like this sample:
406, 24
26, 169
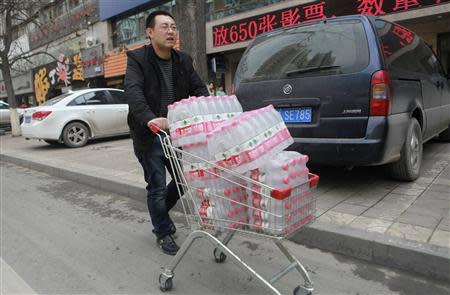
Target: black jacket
143, 89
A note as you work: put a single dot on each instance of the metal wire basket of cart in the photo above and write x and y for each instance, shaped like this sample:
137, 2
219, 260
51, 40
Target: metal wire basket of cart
229, 203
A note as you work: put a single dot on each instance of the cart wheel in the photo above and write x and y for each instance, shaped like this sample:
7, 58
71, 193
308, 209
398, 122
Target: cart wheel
301, 291
219, 258
165, 284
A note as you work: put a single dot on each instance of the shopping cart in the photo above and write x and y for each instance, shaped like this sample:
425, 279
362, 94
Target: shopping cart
224, 209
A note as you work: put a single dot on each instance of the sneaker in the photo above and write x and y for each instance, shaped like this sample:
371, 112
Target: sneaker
168, 245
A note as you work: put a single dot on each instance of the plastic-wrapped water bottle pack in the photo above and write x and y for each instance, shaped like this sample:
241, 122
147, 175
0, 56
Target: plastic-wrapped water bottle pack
290, 203
247, 140
192, 118
223, 207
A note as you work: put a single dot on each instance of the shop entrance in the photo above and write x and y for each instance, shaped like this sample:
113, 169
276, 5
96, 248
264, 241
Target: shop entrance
444, 51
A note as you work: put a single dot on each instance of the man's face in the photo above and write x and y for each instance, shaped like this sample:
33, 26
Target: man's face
164, 33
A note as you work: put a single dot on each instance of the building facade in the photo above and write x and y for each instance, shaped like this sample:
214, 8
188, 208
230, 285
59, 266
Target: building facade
228, 34
74, 38
86, 41
78, 44
126, 22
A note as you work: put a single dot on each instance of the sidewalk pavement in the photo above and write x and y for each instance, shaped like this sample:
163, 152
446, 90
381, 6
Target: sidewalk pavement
361, 213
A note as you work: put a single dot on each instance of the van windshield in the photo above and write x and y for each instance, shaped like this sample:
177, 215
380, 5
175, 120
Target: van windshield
319, 49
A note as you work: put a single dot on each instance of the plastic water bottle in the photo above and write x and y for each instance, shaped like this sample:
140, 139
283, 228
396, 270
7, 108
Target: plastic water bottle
217, 100
216, 105
276, 223
209, 107
225, 103
236, 105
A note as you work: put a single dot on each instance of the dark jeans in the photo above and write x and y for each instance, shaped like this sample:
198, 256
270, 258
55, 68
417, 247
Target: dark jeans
160, 197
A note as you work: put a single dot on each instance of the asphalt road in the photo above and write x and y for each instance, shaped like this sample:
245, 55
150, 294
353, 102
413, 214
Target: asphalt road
59, 237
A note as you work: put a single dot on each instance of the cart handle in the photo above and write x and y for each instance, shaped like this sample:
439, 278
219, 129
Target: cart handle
313, 180
154, 128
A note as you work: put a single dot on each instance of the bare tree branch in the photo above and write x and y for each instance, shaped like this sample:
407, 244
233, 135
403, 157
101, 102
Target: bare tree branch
27, 57
14, 15
8, 34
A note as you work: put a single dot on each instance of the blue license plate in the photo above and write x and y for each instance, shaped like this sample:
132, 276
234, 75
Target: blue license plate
296, 115
27, 119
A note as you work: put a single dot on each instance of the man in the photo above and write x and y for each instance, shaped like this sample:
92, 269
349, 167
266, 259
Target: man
156, 76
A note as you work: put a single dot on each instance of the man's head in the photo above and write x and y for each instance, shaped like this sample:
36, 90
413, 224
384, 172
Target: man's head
161, 29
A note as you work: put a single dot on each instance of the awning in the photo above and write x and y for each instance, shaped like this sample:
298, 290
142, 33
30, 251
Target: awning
115, 63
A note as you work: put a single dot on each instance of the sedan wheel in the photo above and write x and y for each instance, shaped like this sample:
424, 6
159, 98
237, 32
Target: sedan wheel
75, 135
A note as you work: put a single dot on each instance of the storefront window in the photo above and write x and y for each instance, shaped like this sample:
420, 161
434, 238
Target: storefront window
221, 8
131, 29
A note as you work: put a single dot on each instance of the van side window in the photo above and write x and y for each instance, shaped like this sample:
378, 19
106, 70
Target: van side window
402, 49
433, 61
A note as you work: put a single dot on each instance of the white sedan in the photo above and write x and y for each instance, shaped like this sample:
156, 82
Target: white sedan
75, 117
5, 114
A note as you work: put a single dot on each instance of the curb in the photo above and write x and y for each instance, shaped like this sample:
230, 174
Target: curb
114, 186
424, 259
429, 260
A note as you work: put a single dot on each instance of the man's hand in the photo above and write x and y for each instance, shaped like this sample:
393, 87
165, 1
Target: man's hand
160, 122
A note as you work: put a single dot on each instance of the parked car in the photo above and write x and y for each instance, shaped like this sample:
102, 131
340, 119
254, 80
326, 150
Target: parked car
75, 117
5, 120
353, 91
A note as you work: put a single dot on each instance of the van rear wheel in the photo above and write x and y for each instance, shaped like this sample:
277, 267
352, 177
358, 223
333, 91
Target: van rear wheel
408, 167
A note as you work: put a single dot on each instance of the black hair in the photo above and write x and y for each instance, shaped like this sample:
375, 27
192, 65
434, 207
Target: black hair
150, 21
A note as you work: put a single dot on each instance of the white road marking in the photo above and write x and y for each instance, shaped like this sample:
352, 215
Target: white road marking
11, 282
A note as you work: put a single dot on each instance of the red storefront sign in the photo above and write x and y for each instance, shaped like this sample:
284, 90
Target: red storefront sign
248, 28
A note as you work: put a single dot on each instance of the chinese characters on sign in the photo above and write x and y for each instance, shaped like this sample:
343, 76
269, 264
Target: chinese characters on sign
248, 28
41, 85
371, 7
92, 59
62, 73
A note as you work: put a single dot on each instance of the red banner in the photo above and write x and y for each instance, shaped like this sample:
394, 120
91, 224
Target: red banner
249, 28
